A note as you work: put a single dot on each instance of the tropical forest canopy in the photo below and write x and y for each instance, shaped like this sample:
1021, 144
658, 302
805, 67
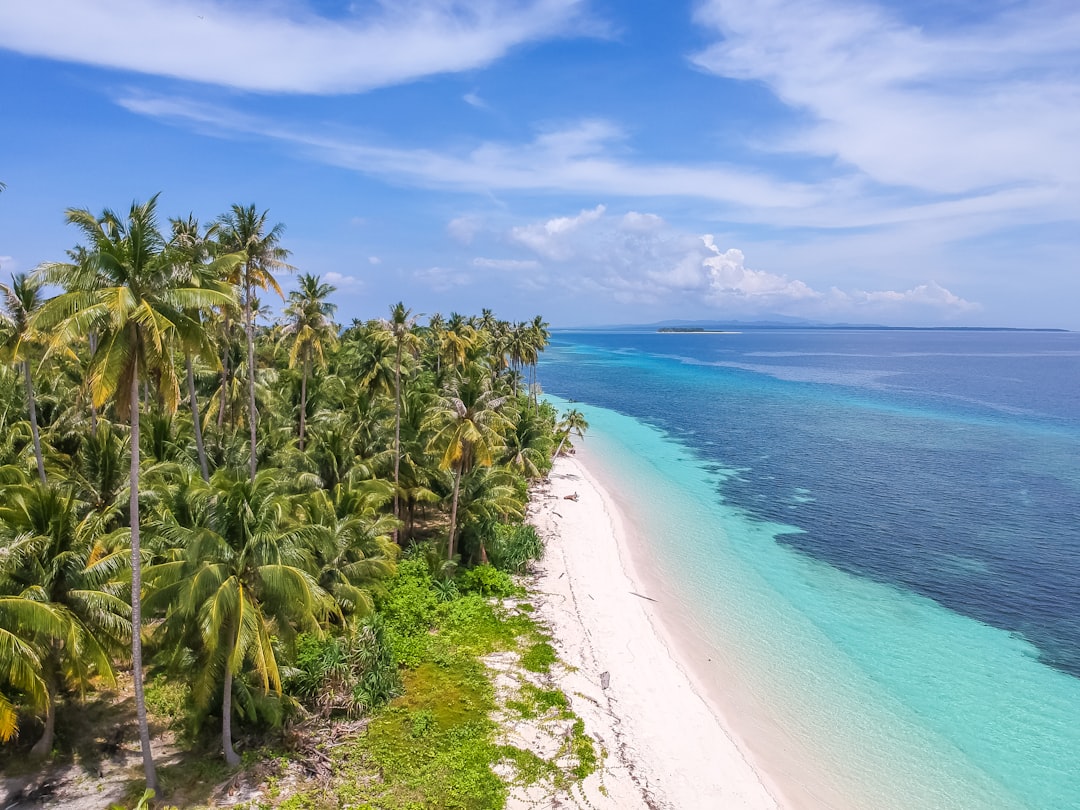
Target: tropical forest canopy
194, 490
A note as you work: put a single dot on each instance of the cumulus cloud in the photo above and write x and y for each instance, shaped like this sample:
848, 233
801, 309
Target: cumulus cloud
275, 48
641, 258
554, 238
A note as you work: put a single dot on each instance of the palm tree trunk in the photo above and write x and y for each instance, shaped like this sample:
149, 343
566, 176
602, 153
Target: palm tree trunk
199, 446
136, 590
303, 401
562, 441
231, 757
43, 746
453, 515
253, 418
397, 438
33, 421
92, 338
223, 400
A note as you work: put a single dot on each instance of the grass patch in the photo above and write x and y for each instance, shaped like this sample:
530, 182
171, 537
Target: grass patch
539, 657
529, 768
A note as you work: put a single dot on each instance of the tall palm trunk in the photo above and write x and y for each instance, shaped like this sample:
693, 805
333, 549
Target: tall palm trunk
397, 439
33, 420
199, 446
453, 515
303, 401
136, 589
224, 401
231, 757
253, 419
92, 338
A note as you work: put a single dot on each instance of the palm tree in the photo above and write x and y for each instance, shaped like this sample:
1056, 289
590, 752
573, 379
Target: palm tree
21, 300
239, 575
311, 329
55, 557
573, 421
400, 326
468, 432
352, 544
243, 230
193, 254
139, 310
24, 624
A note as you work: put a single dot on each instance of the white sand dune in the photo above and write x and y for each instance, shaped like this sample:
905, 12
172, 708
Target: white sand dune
664, 746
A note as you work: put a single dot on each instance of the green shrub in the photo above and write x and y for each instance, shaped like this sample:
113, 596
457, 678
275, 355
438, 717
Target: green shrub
513, 546
350, 674
487, 580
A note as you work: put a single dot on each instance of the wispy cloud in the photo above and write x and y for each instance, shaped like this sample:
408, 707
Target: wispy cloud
506, 264
947, 111
473, 100
286, 48
578, 158
441, 279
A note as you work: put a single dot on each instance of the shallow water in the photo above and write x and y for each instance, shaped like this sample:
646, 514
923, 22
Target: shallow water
875, 532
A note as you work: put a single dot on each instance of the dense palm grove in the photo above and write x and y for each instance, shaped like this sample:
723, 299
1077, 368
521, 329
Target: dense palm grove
232, 488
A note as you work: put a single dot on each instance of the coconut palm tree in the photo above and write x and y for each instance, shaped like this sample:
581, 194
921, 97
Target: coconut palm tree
311, 330
24, 624
56, 557
573, 421
352, 545
244, 230
139, 310
21, 300
194, 265
241, 573
468, 430
400, 327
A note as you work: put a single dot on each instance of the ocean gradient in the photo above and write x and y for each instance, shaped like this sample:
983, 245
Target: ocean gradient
872, 535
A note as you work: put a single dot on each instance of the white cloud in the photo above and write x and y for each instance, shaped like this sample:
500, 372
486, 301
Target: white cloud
442, 279
576, 158
285, 48
640, 258
463, 229
374, 260
552, 238
947, 111
506, 264
341, 280
474, 100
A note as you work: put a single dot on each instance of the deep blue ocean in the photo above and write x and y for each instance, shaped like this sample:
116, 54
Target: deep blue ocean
937, 470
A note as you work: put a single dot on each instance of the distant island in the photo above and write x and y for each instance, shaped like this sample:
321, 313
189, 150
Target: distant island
696, 329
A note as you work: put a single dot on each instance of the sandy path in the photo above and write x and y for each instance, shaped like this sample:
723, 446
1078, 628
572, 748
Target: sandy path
665, 747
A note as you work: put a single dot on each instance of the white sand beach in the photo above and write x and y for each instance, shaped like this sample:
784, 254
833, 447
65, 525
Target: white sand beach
665, 747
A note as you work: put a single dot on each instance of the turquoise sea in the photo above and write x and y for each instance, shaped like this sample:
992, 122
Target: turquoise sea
870, 541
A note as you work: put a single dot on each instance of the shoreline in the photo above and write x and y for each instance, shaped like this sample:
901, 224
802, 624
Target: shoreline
667, 743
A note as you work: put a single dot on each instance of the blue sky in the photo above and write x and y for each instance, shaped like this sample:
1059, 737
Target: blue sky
591, 160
